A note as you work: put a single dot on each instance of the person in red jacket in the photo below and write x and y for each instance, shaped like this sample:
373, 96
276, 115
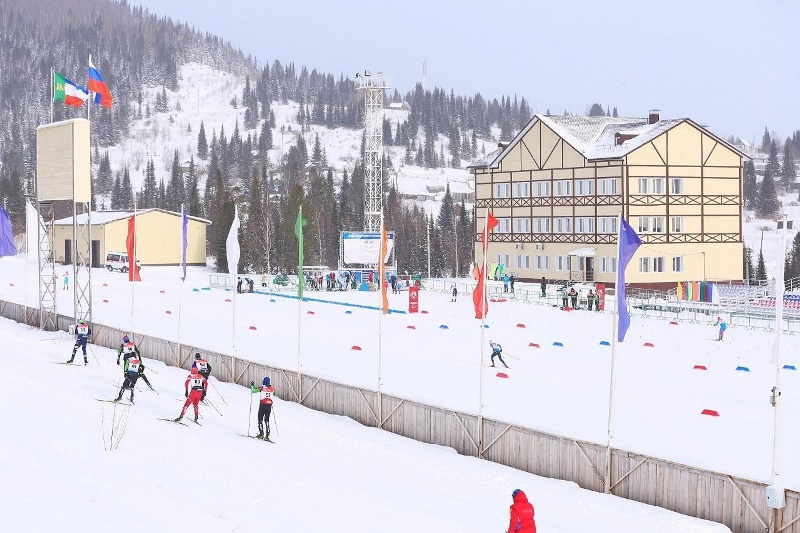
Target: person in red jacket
521, 514
265, 392
198, 384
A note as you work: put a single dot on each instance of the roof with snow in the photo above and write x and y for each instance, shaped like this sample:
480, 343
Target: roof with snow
596, 137
104, 217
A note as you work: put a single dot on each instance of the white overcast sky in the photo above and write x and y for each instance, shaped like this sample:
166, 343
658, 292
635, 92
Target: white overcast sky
733, 65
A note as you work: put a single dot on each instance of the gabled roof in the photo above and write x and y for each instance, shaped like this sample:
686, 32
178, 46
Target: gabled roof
595, 137
104, 217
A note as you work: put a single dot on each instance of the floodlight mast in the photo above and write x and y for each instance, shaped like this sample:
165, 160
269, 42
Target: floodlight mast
373, 86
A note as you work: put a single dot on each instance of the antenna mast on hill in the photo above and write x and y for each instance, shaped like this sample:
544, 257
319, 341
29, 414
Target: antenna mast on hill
373, 86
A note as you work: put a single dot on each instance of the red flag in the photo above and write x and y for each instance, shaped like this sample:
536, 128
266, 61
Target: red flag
491, 223
479, 294
382, 269
133, 272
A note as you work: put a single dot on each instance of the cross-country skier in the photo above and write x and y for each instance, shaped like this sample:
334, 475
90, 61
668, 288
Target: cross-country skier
204, 368
82, 333
497, 351
127, 350
722, 327
265, 392
198, 384
133, 367
521, 514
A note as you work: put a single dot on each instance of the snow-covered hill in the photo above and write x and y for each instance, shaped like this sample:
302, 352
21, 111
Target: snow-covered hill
204, 95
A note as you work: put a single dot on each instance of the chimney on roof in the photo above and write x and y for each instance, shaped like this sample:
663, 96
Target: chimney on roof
654, 116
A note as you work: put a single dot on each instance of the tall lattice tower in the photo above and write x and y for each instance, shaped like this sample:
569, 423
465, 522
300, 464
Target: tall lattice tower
373, 86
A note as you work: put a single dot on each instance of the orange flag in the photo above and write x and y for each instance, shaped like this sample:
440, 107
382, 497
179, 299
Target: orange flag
382, 269
133, 271
479, 294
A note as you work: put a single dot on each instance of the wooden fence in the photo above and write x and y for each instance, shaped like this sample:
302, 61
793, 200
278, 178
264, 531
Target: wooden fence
738, 503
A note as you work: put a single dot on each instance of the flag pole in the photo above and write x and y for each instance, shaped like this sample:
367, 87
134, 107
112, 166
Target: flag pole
132, 262
776, 391
381, 276
300, 279
235, 282
89, 112
180, 288
615, 329
52, 93
485, 246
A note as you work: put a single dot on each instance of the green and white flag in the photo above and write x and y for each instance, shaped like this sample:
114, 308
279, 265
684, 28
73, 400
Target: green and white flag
298, 231
66, 91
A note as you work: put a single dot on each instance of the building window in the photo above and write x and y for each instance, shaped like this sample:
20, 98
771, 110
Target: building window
564, 188
607, 225
651, 224
562, 225
522, 225
503, 225
542, 262
651, 185
677, 263
541, 225
584, 225
607, 186
541, 188
608, 264
676, 224
521, 189
502, 259
584, 187
502, 190
562, 263
522, 261
658, 264
644, 265
676, 185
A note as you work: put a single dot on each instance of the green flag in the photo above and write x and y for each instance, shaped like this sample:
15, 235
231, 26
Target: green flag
66, 91
298, 231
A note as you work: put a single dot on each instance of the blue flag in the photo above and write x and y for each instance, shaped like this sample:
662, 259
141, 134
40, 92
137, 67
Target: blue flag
184, 240
6, 236
628, 243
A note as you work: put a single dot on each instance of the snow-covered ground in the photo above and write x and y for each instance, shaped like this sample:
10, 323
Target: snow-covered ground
658, 398
74, 464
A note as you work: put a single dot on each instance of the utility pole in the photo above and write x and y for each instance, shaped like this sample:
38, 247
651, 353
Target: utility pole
428, 231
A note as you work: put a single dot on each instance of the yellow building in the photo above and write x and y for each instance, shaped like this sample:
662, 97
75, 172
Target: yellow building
158, 237
558, 186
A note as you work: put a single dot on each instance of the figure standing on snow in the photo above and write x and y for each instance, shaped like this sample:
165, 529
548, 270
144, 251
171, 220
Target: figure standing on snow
573, 295
128, 350
82, 333
505, 283
203, 368
521, 514
722, 327
66, 280
198, 386
497, 351
265, 392
454, 293
511, 280
590, 300
544, 287
133, 366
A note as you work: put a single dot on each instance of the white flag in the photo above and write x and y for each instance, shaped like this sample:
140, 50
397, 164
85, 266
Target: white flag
232, 247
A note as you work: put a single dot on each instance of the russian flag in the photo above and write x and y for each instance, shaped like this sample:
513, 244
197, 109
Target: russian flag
99, 87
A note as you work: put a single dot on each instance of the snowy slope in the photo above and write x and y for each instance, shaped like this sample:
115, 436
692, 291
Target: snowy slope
659, 396
204, 95
324, 473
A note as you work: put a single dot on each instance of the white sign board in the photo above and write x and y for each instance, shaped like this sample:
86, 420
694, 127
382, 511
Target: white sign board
364, 248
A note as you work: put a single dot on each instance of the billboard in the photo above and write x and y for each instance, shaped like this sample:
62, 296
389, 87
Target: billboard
363, 248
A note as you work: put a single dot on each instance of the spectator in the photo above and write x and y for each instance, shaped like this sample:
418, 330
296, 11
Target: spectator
505, 283
544, 287
590, 299
573, 296
511, 280
522, 520
722, 327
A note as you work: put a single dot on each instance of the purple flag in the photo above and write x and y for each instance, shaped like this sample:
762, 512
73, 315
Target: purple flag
628, 243
184, 240
6, 236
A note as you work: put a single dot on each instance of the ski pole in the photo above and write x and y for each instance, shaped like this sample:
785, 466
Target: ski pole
275, 418
512, 356
208, 402
217, 391
93, 355
250, 414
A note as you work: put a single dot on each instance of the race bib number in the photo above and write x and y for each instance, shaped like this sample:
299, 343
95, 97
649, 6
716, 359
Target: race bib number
133, 365
266, 394
128, 348
83, 330
197, 383
202, 366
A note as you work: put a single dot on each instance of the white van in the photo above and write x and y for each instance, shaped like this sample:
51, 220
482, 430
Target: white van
119, 261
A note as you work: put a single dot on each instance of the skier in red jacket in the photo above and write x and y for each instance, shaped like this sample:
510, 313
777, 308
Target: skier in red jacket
198, 384
521, 514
